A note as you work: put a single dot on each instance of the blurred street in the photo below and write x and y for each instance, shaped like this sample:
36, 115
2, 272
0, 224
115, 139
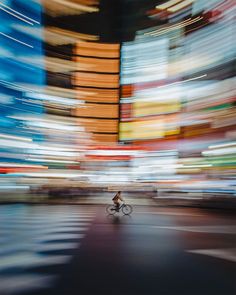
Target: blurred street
66, 249
126, 101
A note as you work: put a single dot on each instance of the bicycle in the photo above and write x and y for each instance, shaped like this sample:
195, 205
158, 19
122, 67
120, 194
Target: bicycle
126, 209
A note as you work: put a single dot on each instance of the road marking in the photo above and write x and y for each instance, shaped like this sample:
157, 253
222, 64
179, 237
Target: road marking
32, 237
32, 247
24, 282
46, 220
226, 254
23, 260
216, 229
59, 226
56, 236
56, 246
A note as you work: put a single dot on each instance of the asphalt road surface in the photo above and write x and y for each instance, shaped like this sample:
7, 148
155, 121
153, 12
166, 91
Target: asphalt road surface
68, 250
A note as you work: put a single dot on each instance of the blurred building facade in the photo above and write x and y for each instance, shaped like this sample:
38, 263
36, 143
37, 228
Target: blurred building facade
120, 93
97, 76
21, 72
178, 92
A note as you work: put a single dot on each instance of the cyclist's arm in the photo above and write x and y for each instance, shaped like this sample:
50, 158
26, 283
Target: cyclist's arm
115, 197
122, 200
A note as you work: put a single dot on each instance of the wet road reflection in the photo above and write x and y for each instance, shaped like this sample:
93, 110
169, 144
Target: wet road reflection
81, 250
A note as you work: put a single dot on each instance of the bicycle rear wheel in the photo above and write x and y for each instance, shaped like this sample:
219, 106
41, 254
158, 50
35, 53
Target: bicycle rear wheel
127, 209
111, 209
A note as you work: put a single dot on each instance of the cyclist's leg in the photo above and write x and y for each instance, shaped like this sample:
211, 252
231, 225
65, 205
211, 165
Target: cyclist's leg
117, 206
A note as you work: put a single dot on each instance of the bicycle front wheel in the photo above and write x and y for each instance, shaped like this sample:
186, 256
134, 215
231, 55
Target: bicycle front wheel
111, 209
127, 209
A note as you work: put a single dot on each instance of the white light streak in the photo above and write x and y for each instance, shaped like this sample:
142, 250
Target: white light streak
222, 145
16, 40
52, 161
19, 13
56, 175
42, 96
180, 6
21, 165
76, 6
24, 20
180, 82
220, 152
56, 126
168, 4
15, 137
179, 25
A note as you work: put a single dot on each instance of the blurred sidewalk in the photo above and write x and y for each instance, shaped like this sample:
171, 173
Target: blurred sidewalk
222, 202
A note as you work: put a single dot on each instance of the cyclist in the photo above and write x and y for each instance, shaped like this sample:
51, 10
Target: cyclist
116, 200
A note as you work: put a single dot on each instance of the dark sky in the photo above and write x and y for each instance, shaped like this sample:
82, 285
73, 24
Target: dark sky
117, 21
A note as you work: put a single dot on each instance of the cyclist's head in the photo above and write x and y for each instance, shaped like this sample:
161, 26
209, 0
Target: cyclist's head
119, 192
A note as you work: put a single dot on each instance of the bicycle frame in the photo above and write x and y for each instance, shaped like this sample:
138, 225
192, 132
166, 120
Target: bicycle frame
111, 209
122, 205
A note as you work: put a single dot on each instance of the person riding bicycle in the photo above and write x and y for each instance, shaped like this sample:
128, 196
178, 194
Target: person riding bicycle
116, 200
